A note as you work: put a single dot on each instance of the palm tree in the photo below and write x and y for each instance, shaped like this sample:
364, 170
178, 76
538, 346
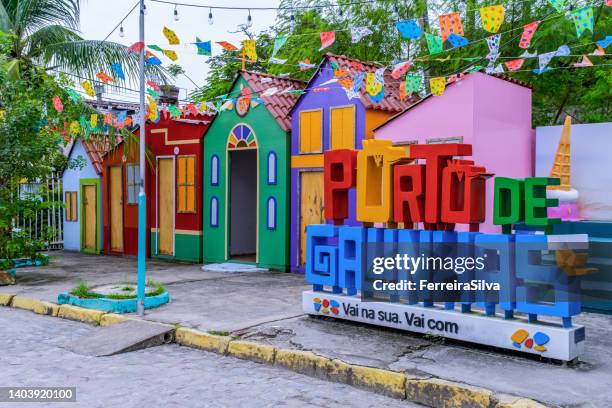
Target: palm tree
45, 33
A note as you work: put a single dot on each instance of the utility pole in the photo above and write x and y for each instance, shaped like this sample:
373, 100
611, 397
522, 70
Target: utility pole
142, 199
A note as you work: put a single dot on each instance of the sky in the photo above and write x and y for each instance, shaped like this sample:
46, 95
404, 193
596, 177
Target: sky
99, 17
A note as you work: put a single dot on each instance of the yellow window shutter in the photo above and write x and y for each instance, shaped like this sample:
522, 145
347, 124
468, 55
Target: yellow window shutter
348, 127
304, 132
316, 126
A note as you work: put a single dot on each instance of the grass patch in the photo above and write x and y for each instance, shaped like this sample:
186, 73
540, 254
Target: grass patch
83, 291
218, 333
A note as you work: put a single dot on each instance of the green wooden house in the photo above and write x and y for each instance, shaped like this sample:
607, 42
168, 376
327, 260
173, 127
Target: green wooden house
246, 173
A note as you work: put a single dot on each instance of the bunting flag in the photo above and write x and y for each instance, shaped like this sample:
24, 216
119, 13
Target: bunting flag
357, 33
598, 51
93, 120
227, 46
400, 69
583, 19
327, 39
121, 118
544, 59
108, 118
75, 127
402, 91
278, 43
339, 73
269, 92
151, 59
606, 41
409, 29
118, 70
136, 47
73, 95
528, 32
492, 18
450, 24
277, 61
437, 85
493, 43
527, 54
102, 76
375, 84
191, 108
86, 85
153, 85
152, 109
128, 121
329, 82
175, 112
586, 62
434, 43
155, 47
413, 83
457, 41
609, 3
559, 5
171, 54
514, 65
171, 36
359, 77
249, 49
540, 71
57, 104
305, 64
154, 94
562, 51
204, 47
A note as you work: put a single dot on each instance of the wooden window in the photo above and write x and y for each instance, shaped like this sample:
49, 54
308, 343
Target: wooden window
133, 177
185, 184
342, 127
71, 206
311, 127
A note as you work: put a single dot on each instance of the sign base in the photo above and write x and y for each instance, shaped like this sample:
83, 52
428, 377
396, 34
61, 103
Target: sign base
541, 338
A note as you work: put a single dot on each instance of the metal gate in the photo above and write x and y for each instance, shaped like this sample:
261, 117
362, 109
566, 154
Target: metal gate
44, 219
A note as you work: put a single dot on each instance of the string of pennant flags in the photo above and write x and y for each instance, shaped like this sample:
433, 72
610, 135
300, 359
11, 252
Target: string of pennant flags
451, 32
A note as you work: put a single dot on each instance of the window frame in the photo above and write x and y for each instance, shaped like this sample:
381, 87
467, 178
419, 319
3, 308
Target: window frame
213, 221
354, 116
186, 184
135, 185
299, 144
275, 171
71, 209
271, 199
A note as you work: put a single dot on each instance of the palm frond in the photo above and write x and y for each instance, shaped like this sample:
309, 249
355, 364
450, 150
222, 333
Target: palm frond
30, 15
38, 41
5, 20
88, 57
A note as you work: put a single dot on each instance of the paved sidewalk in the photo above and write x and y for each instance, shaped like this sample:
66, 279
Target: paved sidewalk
266, 307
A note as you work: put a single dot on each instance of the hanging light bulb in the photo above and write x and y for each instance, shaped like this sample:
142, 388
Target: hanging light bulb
121, 32
340, 12
292, 22
249, 19
210, 17
176, 16
144, 9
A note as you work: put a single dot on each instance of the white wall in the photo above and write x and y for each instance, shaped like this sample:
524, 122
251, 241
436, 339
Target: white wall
71, 178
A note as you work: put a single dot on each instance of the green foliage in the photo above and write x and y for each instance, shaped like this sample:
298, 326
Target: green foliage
584, 93
83, 291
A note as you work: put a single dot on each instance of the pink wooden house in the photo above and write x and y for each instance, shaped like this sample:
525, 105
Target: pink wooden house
491, 112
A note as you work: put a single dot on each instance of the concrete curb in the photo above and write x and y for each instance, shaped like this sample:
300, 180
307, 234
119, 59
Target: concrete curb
431, 392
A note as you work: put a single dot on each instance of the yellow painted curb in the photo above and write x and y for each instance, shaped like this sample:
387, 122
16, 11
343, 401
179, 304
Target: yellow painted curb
246, 350
510, 401
381, 381
35, 305
201, 340
80, 314
435, 392
112, 318
5, 298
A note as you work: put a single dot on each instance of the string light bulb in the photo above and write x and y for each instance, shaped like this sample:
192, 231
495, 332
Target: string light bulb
249, 19
210, 17
144, 9
176, 16
121, 32
292, 22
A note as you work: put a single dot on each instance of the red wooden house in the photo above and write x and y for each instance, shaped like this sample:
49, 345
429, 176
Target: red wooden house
173, 184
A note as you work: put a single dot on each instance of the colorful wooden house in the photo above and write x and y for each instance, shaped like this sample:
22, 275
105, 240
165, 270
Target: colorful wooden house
325, 118
490, 112
246, 185
173, 181
83, 196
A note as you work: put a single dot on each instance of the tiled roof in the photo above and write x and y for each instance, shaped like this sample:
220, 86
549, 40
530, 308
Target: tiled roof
96, 149
279, 104
391, 102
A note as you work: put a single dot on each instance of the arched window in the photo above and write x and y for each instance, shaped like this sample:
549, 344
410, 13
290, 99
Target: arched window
271, 168
214, 170
271, 213
214, 212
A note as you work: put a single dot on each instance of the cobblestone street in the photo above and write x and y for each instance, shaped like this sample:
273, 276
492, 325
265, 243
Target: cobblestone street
34, 354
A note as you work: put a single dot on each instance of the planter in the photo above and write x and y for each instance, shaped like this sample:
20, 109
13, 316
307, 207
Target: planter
113, 305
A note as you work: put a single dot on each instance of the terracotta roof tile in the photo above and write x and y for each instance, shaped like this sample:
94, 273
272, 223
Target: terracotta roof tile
391, 102
96, 149
279, 105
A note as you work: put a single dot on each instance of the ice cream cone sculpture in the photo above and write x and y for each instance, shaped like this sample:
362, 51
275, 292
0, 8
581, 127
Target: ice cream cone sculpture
562, 169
